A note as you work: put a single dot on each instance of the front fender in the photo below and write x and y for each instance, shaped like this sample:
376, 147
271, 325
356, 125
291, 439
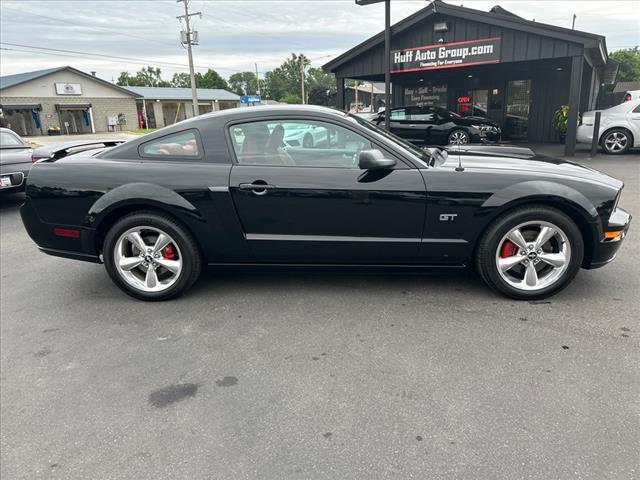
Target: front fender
542, 189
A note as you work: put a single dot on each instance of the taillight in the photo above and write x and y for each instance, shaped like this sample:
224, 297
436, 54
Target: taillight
627, 97
34, 159
66, 232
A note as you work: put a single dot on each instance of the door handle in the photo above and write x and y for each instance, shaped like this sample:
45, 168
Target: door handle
257, 188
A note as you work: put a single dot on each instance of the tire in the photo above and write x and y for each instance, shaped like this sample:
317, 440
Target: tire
307, 141
176, 265
616, 141
458, 137
495, 253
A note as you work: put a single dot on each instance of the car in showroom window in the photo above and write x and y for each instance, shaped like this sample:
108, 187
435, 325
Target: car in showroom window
356, 198
433, 125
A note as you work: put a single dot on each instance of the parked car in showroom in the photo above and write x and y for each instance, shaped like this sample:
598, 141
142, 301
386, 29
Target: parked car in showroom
157, 209
619, 128
15, 161
439, 126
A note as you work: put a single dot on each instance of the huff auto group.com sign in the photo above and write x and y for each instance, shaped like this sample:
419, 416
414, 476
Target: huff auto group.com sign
446, 55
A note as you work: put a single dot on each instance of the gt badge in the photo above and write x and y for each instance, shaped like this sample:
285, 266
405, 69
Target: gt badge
448, 217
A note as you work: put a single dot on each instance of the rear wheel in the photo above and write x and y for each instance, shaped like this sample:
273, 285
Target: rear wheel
531, 252
616, 141
458, 137
150, 256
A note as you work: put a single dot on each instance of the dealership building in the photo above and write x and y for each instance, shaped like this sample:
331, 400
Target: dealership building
76, 102
65, 98
493, 64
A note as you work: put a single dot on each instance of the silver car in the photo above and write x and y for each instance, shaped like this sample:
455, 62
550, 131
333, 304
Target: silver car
15, 161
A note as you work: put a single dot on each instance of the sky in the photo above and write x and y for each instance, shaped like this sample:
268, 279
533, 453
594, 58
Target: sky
236, 34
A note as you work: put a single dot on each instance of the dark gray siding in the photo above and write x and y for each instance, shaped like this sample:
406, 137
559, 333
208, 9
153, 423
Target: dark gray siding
517, 46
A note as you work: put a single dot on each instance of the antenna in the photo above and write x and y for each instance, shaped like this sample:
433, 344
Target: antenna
459, 168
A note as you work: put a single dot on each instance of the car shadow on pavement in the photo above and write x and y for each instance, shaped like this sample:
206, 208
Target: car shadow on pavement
10, 201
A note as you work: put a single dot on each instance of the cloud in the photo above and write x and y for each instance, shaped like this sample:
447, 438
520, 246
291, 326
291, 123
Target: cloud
235, 34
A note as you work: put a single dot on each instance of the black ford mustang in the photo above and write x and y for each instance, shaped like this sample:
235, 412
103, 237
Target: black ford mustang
439, 126
225, 189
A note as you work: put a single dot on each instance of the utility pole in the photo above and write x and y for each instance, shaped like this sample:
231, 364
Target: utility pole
257, 80
190, 38
302, 78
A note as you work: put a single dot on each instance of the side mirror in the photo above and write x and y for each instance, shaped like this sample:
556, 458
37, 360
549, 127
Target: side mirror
374, 160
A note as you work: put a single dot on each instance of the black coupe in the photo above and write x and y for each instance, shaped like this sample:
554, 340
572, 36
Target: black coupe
225, 189
439, 126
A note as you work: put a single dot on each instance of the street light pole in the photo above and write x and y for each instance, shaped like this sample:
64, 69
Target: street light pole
189, 40
387, 56
387, 65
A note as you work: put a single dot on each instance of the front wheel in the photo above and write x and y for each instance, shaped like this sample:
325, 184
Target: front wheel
150, 256
458, 137
529, 253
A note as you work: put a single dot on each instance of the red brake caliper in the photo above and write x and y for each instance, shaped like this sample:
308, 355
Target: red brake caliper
509, 249
169, 252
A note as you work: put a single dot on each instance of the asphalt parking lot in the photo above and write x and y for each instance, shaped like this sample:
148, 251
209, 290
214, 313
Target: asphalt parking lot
307, 376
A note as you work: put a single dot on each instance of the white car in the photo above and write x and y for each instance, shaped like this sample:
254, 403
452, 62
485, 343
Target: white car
619, 128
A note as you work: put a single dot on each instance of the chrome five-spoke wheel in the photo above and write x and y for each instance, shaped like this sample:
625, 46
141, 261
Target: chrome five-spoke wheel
148, 259
616, 142
533, 256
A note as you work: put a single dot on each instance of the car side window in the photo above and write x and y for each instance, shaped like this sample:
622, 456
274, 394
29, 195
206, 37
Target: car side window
183, 144
296, 143
425, 114
399, 114
637, 109
9, 140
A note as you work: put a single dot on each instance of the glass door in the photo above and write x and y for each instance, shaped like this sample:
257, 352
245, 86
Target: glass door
516, 123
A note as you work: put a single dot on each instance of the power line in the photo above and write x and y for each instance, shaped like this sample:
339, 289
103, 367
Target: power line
116, 57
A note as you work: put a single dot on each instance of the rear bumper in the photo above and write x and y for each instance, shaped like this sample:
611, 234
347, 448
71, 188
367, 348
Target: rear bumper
42, 233
584, 134
605, 250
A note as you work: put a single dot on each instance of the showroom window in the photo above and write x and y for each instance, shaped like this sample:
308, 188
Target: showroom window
301, 143
184, 144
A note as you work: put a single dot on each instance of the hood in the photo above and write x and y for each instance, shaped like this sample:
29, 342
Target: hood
535, 164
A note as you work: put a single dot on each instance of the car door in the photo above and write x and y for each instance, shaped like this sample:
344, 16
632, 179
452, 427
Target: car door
300, 204
400, 124
423, 121
634, 123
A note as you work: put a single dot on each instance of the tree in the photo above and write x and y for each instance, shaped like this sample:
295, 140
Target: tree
243, 83
146, 77
320, 95
181, 80
290, 98
317, 76
285, 79
210, 79
629, 59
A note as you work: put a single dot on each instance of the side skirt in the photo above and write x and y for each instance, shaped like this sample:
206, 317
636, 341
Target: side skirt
363, 269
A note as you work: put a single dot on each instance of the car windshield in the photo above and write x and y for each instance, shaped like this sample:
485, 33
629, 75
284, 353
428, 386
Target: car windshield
9, 140
420, 154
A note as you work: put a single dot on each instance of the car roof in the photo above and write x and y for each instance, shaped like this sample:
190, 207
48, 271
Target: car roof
270, 109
